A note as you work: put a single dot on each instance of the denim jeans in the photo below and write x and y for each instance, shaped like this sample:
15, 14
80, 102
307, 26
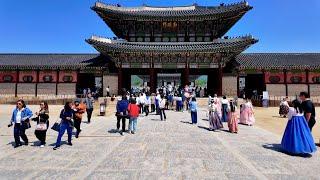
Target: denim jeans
133, 124
63, 127
194, 117
163, 113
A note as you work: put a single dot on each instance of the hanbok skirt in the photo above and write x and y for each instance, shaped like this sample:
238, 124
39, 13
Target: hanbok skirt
224, 117
283, 110
214, 121
233, 122
297, 138
247, 117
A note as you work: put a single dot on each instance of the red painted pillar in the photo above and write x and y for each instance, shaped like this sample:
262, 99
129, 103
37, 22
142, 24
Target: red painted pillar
307, 81
120, 79
238, 92
220, 73
285, 81
37, 82
17, 81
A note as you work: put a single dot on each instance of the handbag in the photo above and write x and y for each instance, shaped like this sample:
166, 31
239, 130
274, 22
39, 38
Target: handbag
26, 124
41, 126
56, 126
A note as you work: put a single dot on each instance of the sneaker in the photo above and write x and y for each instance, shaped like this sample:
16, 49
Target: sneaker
42, 146
70, 144
56, 147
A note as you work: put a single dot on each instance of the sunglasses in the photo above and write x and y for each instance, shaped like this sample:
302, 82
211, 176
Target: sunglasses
19, 103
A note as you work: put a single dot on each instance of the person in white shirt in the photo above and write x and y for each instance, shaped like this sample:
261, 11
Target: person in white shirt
162, 105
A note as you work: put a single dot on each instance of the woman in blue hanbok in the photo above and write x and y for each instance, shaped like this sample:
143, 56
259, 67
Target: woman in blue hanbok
297, 138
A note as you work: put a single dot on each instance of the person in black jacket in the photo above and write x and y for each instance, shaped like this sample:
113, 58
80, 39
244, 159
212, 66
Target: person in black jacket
42, 120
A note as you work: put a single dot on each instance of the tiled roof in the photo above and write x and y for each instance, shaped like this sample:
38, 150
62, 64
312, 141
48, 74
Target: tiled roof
219, 45
145, 12
47, 61
279, 60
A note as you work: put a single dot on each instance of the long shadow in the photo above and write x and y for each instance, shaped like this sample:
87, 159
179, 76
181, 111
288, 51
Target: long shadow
186, 122
62, 143
205, 119
206, 128
155, 119
113, 131
318, 144
278, 148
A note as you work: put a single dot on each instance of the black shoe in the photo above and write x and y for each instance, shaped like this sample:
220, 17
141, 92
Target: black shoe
56, 147
17, 145
121, 133
26, 143
70, 144
77, 135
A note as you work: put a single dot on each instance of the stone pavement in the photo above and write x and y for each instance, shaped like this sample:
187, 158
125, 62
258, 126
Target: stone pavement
172, 149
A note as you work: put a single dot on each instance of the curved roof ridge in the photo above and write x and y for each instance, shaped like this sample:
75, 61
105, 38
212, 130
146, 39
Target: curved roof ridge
169, 8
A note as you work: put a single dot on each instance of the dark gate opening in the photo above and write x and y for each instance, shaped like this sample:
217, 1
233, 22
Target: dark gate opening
254, 85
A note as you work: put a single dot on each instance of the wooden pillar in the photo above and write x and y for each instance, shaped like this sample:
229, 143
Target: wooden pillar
37, 81
307, 81
238, 92
16, 86
153, 76
220, 73
120, 80
264, 80
57, 82
285, 81
186, 74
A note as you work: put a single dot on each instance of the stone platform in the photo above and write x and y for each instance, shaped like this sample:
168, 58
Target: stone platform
172, 149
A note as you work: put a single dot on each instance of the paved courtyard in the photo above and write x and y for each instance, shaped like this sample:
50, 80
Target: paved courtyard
172, 149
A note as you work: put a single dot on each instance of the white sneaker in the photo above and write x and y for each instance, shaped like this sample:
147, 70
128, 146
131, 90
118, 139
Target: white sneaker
42, 146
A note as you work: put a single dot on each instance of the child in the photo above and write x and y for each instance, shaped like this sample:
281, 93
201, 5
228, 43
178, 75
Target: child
193, 110
233, 120
133, 110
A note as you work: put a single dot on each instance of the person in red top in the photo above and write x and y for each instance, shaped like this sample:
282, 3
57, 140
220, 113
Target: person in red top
133, 110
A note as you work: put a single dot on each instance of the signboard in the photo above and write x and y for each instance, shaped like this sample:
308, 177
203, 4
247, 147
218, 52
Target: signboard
265, 95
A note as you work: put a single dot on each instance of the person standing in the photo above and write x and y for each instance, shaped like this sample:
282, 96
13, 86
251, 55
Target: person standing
162, 105
89, 101
157, 101
79, 108
193, 110
108, 91
21, 119
284, 107
42, 120
121, 114
308, 109
224, 109
66, 116
133, 110
233, 119
153, 102
297, 137
214, 118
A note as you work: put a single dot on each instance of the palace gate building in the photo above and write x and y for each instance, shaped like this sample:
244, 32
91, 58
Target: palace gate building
155, 46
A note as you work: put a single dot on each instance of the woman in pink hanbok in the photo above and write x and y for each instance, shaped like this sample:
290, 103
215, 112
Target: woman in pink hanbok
247, 114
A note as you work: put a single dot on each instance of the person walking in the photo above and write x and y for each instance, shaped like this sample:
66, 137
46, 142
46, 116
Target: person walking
308, 109
89, 101
42, 120
147, 104
233, 118
162, 105
214, 118
66, 116
121, 113
225, 104
297, 138
21, 119
153, 102
247, 114
79, 108
133, 110
193, 106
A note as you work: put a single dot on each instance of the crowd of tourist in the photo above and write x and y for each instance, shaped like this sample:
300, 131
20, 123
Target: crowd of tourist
297, 138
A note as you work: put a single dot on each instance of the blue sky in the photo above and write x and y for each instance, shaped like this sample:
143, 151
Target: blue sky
61, 26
